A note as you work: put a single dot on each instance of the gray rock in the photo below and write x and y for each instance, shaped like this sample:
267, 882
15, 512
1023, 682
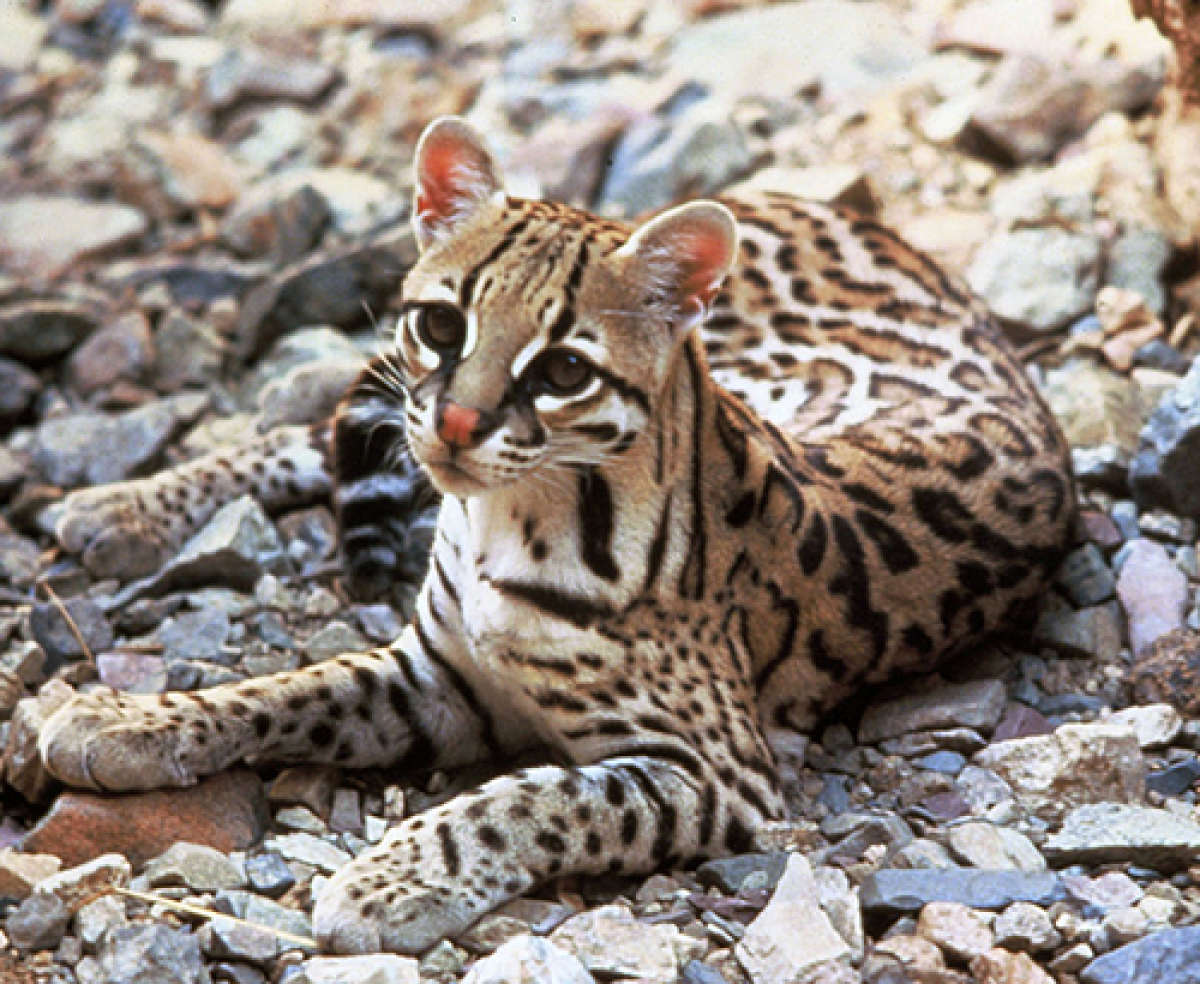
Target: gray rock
1167, 957
1026, 927
975, 705
1098, 833
379, 968
269, 874
233, 549
529, 960
196, 635
54, 633
195, 866
658, 162
243, 74
1166, 469
152, 954
20, 560
39, 922
728, 874
122, 350
1153, 591
1084, 634
190, 352
226, 939
782, 49
1044, 278
1086, 576
92, 449
262, 912
19, 387
43, 236
332, 640
895, 891
1137, 261
311, 850
98, 918
280, 221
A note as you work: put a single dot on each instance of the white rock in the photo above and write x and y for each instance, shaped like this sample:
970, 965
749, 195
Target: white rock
1079, 763
984, 845
792, 933
378, 968
609, 941
1155, 725
959, 930
529, 960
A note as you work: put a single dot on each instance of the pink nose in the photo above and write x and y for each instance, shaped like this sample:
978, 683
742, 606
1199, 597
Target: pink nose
456, 425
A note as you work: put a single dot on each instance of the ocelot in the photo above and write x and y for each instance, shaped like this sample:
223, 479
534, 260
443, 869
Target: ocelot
693, 494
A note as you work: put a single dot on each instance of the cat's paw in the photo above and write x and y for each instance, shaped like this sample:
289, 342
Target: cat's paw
123, 530
109, 743
375, 904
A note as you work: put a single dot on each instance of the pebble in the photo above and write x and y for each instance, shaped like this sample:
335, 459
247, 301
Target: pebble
225, 811
1164, 472
1086, 576
195, 866
1026, 928
977, 705
19, 872
529, 959
378, 968
793, 933
1079, 763
1169, 957
730, 874
1099, 833
610, 942
896, 891
985, 845
1080, 634
311, 850
57, 634
227, 939
39, 923
1156, 725
151, 953
999, 966
263, 912
959, 931
1153, 592
44, 236
269, 875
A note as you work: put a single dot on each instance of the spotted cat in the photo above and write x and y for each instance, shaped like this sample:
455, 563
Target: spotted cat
691, 496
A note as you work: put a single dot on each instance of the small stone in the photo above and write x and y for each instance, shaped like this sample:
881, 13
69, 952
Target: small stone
81, 884
529, 959
1113, 890
269, 875
244, 74
1087, 577
1098, 833
729, 874
895, 890
380, 968
233, 549
957, 930
151, 953
1168, 957
196, 635
976, 705
333, 640
793, 933
225, 939
1079, 763
195, 866
1174, 780
914, 952
1021, 721
1153, 592
38, 923
310, 786
346, 813
1002, 967
41, 237
19, 872
226, 811
283, 223
122, 350
1026, 928
984, 845
1088, 633
190, 353
132, 673
19, 388
1168, 671
263, 912
1156, 725
311, 850
193, 171
97, 918
610, 942
1164, 472
1124, 926
54, 632
1043, 277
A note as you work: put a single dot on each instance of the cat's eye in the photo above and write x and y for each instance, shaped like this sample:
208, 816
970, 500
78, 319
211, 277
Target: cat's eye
561, 372
441, 327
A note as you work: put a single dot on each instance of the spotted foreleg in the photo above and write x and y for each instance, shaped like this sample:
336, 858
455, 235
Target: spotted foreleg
437, 873
130, 529
394, 707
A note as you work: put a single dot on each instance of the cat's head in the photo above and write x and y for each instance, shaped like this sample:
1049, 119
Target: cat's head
535, 337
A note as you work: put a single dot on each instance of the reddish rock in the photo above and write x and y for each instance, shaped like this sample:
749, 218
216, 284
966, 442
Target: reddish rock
1098, 528
227, 812
1168, 670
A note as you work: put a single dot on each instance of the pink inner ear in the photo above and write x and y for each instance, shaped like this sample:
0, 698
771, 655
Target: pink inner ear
705, 257
442, 188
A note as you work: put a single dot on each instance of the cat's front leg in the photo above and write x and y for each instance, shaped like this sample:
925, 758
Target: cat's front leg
437, 873
394, 706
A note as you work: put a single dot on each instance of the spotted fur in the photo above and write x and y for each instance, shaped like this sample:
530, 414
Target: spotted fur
755, 502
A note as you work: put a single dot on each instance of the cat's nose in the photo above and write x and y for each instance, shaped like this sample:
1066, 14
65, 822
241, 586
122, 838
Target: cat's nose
458, 426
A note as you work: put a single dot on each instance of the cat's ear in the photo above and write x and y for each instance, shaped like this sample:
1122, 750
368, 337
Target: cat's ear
454, 175
687, 251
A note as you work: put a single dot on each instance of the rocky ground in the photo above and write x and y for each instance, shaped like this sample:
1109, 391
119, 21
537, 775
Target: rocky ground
202, 217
